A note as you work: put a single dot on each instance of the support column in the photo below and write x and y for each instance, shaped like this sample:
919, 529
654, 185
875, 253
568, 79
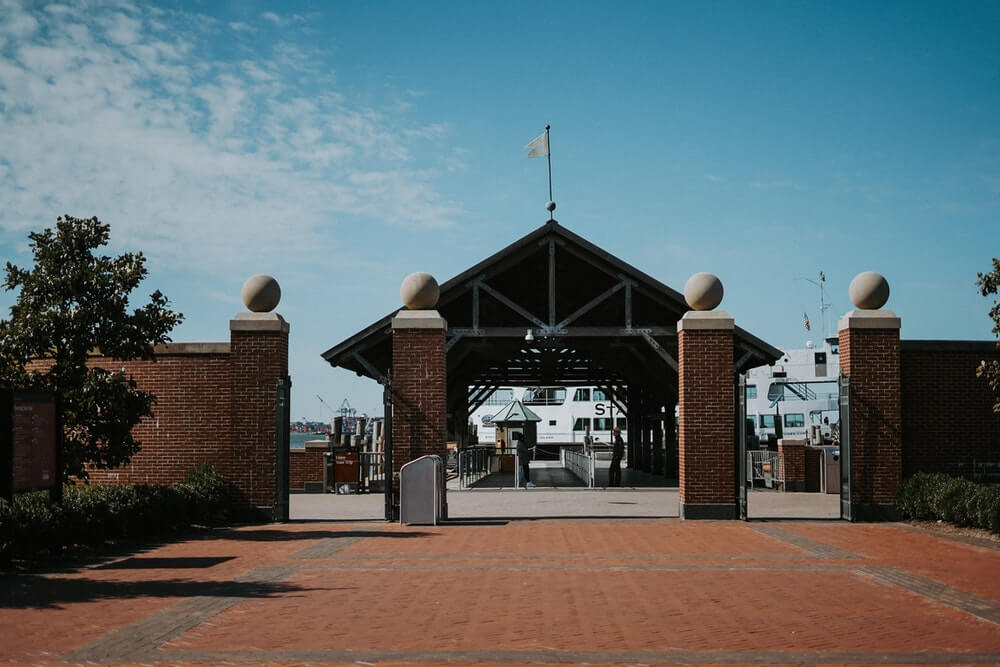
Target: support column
258, 358
793, 456
707, 432
418, 389
869, 356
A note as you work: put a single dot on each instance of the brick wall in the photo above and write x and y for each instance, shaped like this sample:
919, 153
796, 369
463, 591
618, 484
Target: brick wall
793, 457
705, 376
418, 405
948, 416
215, 404
306, 465
871, 358
259, 358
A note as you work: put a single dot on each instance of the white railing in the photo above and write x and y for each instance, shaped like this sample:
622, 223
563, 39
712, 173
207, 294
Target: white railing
766, 467
579, 464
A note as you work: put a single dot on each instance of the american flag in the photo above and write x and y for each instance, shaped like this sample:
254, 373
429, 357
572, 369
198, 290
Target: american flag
806, 316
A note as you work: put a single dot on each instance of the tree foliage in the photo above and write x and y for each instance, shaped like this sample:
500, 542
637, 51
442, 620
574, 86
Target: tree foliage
989, 369
72, 305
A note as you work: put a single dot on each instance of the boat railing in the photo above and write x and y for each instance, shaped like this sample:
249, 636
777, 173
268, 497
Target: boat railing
581, 465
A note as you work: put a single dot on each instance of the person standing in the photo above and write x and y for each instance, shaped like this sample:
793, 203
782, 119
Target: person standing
617, 452
524, 458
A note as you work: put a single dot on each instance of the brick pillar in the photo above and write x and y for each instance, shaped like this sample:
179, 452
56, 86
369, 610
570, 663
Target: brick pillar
418, 389
258, 358
869, 355
793, 457
707, 431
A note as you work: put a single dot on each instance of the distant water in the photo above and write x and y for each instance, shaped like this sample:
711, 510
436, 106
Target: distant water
298, 440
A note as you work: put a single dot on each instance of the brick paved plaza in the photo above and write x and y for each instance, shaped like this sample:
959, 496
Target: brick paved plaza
606, 590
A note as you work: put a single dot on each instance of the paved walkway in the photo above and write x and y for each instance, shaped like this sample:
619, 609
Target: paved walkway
598, 591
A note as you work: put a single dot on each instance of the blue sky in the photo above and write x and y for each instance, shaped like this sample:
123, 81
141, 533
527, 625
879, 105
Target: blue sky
341, 146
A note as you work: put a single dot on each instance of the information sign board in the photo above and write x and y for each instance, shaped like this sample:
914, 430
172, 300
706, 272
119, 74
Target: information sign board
30, 431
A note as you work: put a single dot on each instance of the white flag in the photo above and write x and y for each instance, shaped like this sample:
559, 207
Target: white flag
540, 146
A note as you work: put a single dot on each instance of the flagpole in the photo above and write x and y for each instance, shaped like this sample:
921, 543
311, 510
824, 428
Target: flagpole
548, 142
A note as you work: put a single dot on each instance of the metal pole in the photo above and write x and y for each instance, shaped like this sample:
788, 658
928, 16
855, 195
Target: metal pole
390, 514
283, 410
548, 145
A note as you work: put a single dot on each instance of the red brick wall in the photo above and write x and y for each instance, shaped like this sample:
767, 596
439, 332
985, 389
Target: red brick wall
418, 402
705, 374
215, 403
870, 357
793, 456
305, 465
948, 416
259, 359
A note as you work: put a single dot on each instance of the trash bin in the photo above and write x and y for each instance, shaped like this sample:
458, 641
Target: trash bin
830, 481
421, 491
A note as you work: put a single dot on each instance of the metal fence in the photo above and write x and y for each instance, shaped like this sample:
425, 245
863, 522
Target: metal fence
765, 467
372, 472
475, 463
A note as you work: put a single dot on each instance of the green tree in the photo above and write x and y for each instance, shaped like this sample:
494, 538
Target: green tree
989, 369
71, 306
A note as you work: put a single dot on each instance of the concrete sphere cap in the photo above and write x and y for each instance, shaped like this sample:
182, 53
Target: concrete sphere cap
419, 291
703, 291
261, 293
869, 290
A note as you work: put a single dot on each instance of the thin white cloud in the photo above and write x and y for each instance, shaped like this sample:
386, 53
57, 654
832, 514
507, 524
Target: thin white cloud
122, 112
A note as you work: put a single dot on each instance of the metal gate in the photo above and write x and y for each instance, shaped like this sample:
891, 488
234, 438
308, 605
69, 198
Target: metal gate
740, 388
282, 409
844, 400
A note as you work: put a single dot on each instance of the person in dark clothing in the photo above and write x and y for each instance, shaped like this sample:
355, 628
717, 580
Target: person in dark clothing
617, 452
524, 458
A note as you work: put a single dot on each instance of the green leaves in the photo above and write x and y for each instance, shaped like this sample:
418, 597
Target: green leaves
989, 369
72, 304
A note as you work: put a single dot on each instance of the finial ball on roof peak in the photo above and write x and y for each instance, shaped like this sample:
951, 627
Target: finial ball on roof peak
419, 291
261, 293
869, 290
703, 291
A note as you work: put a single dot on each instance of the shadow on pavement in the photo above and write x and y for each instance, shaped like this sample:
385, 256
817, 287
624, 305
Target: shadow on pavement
32, 591
272, 535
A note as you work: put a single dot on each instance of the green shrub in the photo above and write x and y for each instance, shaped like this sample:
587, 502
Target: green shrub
953, 499
92, 514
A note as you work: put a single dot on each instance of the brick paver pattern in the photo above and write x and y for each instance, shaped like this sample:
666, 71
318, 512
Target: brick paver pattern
571, 591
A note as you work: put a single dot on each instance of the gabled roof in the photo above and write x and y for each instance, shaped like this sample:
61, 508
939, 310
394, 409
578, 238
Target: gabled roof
580, 301
514, 413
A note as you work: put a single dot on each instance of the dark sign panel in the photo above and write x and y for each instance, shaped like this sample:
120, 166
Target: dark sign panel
35, 442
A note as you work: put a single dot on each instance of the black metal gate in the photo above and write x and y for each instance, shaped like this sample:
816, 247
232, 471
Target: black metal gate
283, 411
740, 403
844, 400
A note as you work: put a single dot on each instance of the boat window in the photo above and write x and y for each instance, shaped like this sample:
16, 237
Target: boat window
500, 397
599, 395
552, 422
545, 396
581, 423
582, 394
767, 421
795, 420
776, 390
602, 423
751, 391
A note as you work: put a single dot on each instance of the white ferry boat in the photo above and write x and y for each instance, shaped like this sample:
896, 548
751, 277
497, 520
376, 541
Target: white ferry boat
797, 397
567, 413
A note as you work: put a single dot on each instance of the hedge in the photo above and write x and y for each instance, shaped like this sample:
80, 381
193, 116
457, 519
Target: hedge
32, 525
953, 499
